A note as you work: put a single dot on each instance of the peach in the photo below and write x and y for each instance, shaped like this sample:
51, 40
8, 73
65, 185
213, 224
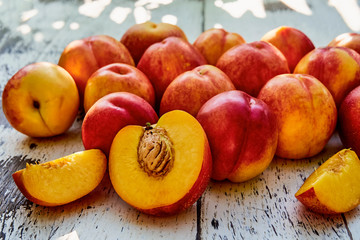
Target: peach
63, 180
162, 62
110, 114
191, 89
141, 36
305, 111
293, 43
214, 42
334, 187
41, 100
161, 169
349, 124
242, 134
336, 67
117, 77
348, 40
251, 65
81, 58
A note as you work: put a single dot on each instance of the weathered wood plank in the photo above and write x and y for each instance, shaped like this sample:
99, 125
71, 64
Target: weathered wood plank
262, 208
42, 37
266, 207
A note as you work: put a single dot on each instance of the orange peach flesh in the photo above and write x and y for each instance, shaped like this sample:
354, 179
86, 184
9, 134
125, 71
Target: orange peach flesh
62, 180
334, 186
146, 192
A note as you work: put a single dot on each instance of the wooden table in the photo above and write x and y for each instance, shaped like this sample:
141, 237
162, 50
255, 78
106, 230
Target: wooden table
262, 208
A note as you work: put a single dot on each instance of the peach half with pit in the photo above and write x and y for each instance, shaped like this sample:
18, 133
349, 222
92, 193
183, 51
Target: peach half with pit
161, 169
333, 188
41, 100
242, 133
111, 113
63, 180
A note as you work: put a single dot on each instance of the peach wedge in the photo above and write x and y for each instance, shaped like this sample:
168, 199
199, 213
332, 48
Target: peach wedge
62, 180
161, 169
334, 186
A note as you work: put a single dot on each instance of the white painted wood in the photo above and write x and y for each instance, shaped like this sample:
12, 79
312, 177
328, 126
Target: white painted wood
262, 208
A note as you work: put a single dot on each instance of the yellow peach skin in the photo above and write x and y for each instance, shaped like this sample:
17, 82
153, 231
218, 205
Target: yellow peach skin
214, 42
41, 100
305, 111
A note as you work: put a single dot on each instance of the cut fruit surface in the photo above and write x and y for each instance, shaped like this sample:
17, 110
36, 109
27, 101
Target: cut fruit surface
182, 181
334, 186
62, 180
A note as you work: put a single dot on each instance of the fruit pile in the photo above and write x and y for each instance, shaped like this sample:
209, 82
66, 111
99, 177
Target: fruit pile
164, 115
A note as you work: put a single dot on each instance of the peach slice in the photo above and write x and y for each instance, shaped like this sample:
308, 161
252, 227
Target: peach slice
164, 168
334, 186
62, 180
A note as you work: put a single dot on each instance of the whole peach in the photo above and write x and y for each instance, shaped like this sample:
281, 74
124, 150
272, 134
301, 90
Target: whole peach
242, 133
349, 124
214, 42
191, 89
348, 40
110, 114
162, 62
251, 65
305, 111
293, 43
117, 77
141, 36
41, 100
337, 68
81, 58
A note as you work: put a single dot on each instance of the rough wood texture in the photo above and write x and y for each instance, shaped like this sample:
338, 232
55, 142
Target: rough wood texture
262, 208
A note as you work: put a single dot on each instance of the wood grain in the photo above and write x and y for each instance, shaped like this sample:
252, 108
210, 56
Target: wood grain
262, 208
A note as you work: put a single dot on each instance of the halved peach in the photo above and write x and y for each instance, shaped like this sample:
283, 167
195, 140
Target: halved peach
62, 180
334, 186
164, 168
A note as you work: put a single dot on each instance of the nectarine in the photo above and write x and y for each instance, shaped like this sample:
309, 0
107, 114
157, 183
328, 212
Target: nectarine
251, 65
191, 89
117, 77
349, 120
305, 112
293, 43
162, 62
41, 100
338, 68
213, 42
83, 57
111, 113
242, 134
141, 36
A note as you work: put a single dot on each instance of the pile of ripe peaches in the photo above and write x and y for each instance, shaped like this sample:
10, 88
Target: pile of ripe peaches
165, 116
